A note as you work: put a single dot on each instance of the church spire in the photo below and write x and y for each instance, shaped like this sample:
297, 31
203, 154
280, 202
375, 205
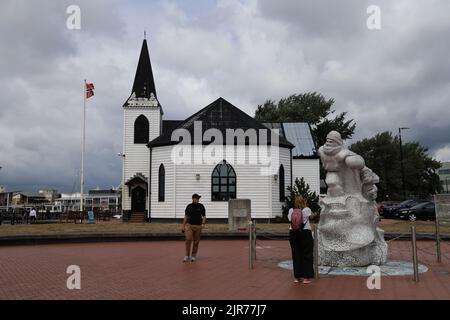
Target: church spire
144, 84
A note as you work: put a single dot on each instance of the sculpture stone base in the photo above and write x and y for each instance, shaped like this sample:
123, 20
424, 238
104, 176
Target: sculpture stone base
348, 235
390, 268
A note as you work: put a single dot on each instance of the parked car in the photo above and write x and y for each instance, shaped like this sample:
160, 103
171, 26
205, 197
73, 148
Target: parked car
383, 204
422, 211
392, 211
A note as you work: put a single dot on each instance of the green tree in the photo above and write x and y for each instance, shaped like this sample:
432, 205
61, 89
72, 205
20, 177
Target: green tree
382, 155
310, 107
268, 111
300, 188
345, 127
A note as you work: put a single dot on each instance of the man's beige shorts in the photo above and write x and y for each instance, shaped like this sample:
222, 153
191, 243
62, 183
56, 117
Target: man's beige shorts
193, 232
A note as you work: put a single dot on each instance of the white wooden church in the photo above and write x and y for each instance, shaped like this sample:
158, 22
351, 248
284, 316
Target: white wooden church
155, 186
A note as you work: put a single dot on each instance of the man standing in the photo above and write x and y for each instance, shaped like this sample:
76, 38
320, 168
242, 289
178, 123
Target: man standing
193, 223
33, 214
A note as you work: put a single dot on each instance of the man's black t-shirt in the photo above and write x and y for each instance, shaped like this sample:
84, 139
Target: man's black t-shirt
195, 212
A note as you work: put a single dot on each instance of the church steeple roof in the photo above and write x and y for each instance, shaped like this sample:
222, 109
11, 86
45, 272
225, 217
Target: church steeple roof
144, 83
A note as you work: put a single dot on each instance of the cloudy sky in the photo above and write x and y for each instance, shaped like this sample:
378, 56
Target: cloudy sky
244, 51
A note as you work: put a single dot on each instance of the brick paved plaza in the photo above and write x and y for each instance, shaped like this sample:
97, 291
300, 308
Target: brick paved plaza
153, 270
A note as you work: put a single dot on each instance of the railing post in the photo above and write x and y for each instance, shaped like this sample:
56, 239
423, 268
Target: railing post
414, 249
316, 252
438, 237
438, 242
250, 245
254, 242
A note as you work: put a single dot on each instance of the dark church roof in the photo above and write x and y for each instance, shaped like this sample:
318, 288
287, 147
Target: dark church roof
144, 84
219, 115
169, 125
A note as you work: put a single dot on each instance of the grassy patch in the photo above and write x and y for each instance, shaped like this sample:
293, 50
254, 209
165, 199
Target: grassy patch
175, 228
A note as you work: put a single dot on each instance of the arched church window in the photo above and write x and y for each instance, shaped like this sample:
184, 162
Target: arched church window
223, 182
161, 183
282, 184
141, 130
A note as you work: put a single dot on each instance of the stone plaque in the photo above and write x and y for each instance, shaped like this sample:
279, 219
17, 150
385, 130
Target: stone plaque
242, 213
239, 214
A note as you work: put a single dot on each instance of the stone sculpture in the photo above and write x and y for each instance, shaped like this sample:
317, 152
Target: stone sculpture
348, 235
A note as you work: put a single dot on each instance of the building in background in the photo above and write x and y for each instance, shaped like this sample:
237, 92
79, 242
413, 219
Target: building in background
50, 195
444, 176
95, 200
28, 199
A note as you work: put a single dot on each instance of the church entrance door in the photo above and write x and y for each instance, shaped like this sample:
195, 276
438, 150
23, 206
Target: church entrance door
138, 197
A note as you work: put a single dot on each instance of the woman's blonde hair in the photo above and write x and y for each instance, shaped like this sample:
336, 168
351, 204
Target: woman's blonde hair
300, 202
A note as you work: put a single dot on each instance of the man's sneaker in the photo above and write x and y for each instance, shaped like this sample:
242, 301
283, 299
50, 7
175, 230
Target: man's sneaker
185, 259
193, 259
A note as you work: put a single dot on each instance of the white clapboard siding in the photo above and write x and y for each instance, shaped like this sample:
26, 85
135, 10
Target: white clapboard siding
137, 155
166, 208
285, 159
309, 169
251, 184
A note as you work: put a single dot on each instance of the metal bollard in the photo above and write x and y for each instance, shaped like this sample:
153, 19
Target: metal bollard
316, 252
438, 241
250, 245
414, 249
254, 242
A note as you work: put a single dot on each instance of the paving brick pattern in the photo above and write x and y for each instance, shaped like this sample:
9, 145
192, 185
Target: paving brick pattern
153, 270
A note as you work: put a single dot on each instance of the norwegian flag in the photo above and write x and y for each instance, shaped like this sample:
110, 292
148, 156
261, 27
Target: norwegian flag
89, 90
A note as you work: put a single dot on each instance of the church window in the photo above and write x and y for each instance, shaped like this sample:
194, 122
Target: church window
282, 184
141, 130
223, 182
161, 183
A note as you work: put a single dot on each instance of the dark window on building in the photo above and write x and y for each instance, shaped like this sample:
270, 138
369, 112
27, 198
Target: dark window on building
223, 182
162, 183
141, 130
282, 184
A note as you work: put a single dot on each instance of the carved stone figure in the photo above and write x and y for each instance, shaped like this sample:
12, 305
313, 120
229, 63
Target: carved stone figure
347, 233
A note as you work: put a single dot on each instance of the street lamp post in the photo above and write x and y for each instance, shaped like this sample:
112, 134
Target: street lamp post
401, 161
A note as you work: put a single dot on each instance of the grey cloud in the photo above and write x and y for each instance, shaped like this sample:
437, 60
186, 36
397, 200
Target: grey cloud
42, 68
322, 19
396, 76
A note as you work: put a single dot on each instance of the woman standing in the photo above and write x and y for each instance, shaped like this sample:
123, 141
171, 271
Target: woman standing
301, 241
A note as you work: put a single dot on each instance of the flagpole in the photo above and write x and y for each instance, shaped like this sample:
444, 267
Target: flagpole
82, 150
